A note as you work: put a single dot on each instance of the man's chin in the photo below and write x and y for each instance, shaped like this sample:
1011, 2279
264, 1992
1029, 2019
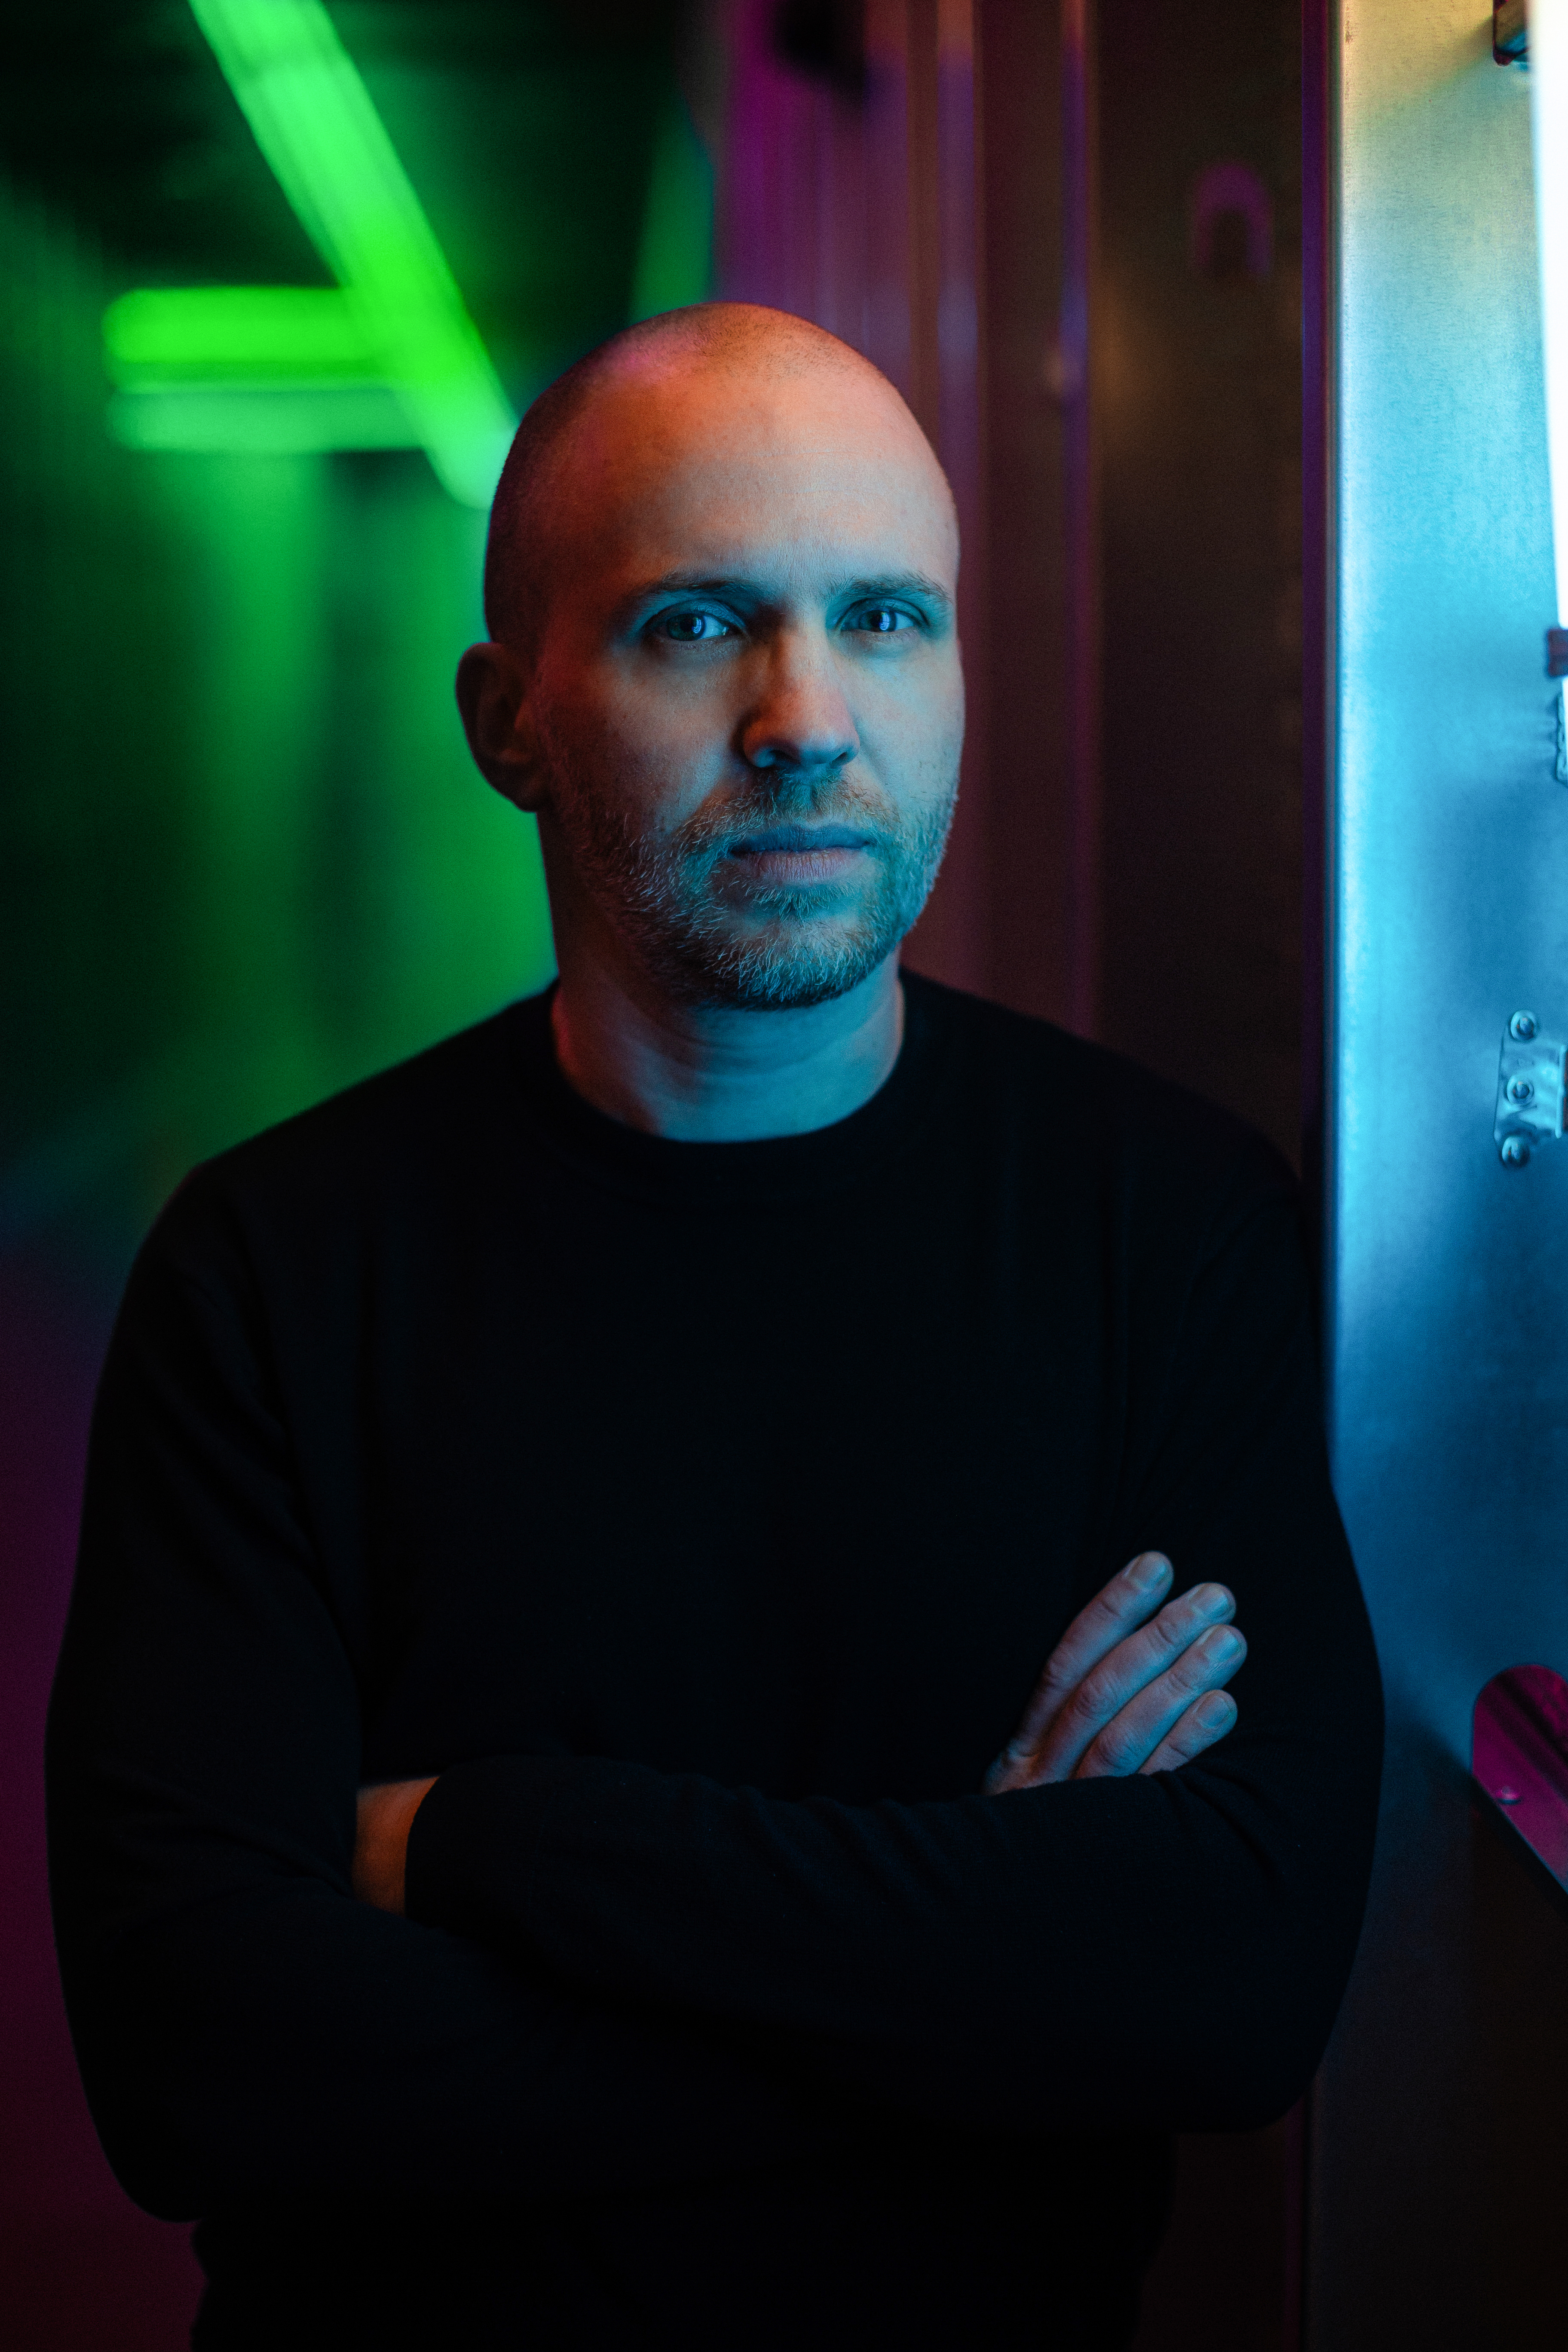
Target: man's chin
771, 970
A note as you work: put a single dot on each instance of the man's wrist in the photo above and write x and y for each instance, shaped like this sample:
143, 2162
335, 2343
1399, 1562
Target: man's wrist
386, 1815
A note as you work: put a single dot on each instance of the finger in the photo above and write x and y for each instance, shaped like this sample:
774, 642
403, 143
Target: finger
1133, 1665
1116, 1611
1205, 1721
1131, 1737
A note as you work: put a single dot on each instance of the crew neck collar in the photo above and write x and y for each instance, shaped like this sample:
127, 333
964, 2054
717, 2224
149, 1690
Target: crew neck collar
783, 1167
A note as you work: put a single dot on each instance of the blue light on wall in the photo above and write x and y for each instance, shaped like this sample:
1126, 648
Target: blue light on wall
1548, 70
1448, 1291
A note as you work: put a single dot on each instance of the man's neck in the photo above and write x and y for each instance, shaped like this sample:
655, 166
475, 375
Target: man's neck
715, 1075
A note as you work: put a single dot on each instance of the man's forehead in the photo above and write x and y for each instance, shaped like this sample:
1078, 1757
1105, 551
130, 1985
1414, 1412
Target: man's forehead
711, 489
773, 552
695, 424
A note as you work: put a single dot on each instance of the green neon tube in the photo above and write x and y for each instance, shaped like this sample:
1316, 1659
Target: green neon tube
239, 334
314, 122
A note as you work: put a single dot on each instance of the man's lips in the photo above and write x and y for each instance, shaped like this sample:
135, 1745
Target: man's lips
800, 853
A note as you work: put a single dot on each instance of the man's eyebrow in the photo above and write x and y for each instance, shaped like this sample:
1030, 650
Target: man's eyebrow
894, 584
688, 584
740, 589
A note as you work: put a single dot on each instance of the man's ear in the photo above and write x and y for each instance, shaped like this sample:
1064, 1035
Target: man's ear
492, 697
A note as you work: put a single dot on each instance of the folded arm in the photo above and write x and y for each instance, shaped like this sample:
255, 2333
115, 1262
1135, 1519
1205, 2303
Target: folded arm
245, 2029
611, 1977
1132, 1687
1117, 1945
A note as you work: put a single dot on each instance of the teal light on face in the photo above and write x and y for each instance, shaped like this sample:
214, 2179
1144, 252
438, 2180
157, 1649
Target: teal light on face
197, 368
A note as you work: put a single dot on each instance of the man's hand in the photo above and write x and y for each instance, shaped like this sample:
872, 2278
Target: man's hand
1121, 1693
381, 1840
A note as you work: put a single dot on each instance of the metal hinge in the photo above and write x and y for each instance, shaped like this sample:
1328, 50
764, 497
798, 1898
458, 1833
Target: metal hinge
1530, 1080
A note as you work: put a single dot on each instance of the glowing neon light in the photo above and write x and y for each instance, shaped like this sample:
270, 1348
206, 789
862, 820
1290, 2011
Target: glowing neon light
399, 320
314, 122
1549, 110
239, 334
261, 421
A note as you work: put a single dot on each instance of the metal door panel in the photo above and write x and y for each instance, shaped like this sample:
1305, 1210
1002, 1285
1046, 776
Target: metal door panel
1447, 1271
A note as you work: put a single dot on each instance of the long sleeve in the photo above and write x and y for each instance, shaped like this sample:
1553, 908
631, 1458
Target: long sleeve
447, 1431
1165, 1949
245, 2028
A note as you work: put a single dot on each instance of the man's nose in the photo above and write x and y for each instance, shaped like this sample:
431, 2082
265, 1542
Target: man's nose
801, 718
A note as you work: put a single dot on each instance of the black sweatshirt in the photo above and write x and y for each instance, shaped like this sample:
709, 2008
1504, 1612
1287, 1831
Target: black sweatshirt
703, 1514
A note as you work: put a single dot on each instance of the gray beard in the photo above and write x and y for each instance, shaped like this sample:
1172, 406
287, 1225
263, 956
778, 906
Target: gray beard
657, 897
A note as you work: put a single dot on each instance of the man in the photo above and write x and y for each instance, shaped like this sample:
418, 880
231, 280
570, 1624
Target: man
573, 1522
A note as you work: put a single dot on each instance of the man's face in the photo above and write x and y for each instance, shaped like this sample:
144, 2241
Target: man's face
747, 696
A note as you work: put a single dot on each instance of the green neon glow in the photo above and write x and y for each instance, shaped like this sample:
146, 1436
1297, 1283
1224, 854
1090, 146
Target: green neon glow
675, 252
262, 420
314, 122
239, 334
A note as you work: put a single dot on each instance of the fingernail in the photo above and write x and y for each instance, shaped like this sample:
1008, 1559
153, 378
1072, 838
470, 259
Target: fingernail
1150, 1572
1222, 1645
1210, 1599
1216, 1712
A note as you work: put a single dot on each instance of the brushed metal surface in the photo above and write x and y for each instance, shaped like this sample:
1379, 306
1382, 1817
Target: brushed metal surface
1446, 1270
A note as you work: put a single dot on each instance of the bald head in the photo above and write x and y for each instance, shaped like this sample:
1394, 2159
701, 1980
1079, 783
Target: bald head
556, 476
724, 670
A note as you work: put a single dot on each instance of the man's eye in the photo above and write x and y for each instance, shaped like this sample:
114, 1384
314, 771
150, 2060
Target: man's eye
882, 620
692, 628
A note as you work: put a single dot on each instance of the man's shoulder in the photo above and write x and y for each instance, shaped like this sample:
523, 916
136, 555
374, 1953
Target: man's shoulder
386, 1136
1037, 1090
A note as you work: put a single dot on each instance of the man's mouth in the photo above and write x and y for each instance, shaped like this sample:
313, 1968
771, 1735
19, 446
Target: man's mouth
790, 854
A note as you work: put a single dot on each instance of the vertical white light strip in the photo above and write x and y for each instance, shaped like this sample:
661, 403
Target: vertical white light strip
1548, 73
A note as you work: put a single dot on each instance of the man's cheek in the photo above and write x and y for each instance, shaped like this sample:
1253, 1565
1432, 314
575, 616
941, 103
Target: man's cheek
664, 761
